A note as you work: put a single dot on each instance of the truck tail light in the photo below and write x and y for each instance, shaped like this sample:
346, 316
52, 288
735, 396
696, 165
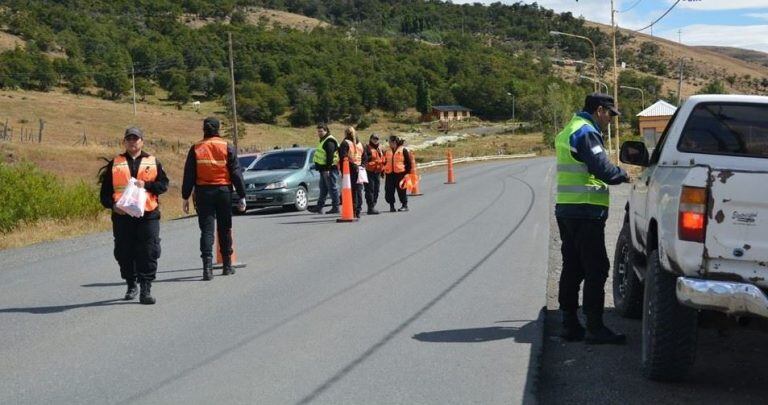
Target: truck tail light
691, 222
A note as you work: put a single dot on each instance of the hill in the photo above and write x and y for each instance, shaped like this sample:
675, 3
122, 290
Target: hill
747, 55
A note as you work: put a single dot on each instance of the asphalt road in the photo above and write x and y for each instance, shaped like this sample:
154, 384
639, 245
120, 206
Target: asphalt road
731, 364
438, 305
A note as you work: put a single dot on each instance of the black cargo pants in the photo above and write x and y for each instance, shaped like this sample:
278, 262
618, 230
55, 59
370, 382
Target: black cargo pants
372, 189
214, 210
392, 185
137, 246
584, 259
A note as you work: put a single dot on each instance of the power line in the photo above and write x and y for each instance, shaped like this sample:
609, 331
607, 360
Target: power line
631, 7
658, 19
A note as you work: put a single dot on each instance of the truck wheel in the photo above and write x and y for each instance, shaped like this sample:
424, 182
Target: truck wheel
669, 328
627, 289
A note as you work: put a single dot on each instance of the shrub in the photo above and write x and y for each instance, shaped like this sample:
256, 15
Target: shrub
28, 195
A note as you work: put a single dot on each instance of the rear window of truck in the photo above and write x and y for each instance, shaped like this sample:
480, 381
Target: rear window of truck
734, 129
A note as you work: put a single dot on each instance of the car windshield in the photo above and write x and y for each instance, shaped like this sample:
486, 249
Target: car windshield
246, 161
727, 129
281, 161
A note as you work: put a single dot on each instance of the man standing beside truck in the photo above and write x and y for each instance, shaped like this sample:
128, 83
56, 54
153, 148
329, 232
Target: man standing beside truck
584, 172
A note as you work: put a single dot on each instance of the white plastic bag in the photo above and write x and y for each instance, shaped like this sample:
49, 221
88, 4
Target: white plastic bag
362, 175
133, 199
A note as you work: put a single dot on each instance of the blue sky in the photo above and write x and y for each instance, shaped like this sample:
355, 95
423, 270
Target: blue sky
738, 23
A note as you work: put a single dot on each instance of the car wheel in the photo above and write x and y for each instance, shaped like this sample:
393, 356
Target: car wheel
627, 289
669, 328
301, 200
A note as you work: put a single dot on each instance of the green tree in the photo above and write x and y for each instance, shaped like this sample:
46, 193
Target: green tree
178, 89
423, 99
144, 88
714, 87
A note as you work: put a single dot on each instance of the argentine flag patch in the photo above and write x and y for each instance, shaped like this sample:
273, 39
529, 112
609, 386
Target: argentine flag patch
596, 150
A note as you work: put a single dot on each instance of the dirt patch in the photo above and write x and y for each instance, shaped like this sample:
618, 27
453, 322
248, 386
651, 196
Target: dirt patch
9, 42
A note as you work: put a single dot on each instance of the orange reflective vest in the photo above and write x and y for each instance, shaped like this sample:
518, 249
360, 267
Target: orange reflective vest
211, 157
355, 153
376, 160
121, 174
394, 162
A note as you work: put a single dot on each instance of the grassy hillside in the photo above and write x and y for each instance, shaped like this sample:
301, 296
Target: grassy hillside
747, 55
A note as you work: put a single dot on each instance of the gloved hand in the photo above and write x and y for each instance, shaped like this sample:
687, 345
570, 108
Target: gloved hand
241, 205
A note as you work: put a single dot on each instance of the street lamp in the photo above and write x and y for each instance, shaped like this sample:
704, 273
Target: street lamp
594, 52
642, 93
596, 82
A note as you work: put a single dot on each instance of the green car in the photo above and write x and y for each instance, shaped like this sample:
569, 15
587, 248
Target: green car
281, 178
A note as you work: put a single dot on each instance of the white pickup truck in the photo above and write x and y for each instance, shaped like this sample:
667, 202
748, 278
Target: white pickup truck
695, 233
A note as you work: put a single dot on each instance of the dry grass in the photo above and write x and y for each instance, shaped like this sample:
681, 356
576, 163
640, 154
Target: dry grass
9, 41
285, 19
48, 230
484, 146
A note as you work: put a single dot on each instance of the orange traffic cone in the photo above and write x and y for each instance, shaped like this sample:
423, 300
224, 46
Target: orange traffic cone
451, 178
347, 212
219, 261
415, 178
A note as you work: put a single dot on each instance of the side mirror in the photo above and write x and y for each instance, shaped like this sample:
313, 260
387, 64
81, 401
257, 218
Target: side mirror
634, 153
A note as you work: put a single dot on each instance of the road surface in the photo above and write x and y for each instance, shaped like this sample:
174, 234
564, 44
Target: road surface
438, 305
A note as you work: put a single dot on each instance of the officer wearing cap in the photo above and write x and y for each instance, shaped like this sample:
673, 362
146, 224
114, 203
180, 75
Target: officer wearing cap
211, 170
583, 175
137, 240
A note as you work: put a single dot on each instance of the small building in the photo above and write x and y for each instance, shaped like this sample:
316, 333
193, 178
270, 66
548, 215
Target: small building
653, 120
450, 112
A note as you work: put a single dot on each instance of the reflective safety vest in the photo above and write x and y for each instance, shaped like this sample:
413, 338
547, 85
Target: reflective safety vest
376, 160
575, 185
211, 158
121, 174
355, 153
394, 162
320, 156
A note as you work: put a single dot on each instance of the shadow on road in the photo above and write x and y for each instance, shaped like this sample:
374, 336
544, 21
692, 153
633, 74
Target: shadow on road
523, 334
327, 221
63, 308
730, 369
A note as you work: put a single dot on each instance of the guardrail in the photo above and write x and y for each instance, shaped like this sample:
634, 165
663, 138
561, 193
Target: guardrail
435, 163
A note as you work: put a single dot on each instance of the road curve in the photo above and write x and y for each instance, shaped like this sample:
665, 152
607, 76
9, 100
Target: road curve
437, 305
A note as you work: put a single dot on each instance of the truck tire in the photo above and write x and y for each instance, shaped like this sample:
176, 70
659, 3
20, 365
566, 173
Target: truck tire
627, 289
669, 328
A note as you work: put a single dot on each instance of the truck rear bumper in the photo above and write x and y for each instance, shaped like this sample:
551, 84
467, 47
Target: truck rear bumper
723, 296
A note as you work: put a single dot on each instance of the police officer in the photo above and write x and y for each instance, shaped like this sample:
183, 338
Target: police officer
374, 169
397, 164
137, 240
211, 170
583, 174
326, 161
353, 149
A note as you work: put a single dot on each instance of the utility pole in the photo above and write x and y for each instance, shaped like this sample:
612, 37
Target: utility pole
133, 86
614, 25
234, 102
680, 81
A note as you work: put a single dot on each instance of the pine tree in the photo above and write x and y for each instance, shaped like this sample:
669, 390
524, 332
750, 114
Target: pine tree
423, 100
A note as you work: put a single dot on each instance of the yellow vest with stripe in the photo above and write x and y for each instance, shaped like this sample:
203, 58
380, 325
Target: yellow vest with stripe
320, 156
575, 185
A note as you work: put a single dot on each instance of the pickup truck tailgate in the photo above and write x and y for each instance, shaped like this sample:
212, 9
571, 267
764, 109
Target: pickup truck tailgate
737, 229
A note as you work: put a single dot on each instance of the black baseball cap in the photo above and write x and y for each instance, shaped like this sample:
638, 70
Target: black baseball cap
595, 100
133, 131
211, 125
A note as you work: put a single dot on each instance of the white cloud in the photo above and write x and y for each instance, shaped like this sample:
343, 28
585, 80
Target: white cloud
763, 16
593, 10
740, 36
720, 4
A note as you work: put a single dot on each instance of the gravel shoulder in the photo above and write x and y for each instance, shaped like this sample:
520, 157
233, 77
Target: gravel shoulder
730, 366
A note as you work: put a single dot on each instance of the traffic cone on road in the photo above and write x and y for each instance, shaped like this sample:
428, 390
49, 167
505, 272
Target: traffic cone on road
347, 212
415, 178
219, 261
451, 178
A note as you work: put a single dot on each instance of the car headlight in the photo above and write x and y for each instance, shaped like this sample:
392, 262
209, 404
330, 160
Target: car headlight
276, 185
250, 186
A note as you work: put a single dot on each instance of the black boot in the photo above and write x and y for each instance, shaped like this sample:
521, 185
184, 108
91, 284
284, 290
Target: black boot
392, 208
404, 208
207, 269
599, 334
228, 270
372, 211
572, 331
146, 297
132, 291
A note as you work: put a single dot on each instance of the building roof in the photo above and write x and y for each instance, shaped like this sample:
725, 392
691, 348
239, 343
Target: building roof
660, 108
450, 108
